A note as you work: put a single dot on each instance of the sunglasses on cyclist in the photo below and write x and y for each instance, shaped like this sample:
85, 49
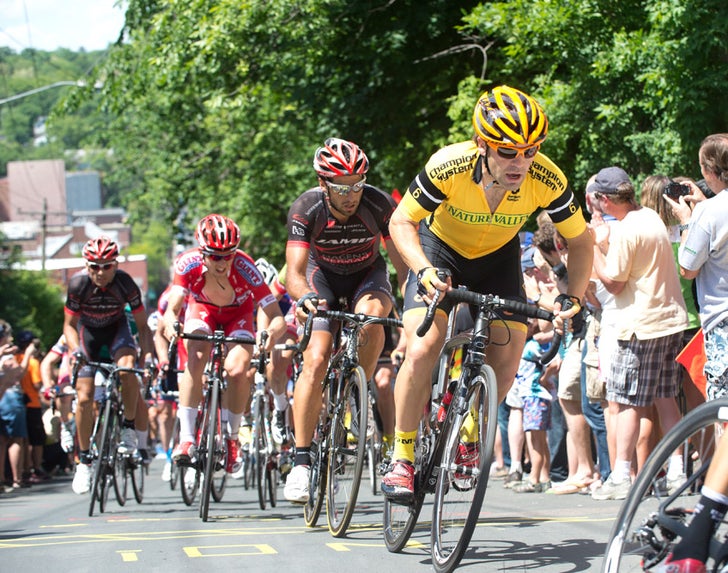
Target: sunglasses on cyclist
218, 258
346, 189
513, 152
101, 267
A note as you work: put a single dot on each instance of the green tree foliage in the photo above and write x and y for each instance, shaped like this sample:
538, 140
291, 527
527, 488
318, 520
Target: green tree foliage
220, 105
637, 83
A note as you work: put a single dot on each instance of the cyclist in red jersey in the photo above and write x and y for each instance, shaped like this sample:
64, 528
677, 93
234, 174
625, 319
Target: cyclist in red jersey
334, 233
222, 287
94, 319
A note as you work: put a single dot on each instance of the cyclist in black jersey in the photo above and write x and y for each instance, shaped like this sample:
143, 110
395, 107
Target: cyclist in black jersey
462, 213
334, 234
94, 320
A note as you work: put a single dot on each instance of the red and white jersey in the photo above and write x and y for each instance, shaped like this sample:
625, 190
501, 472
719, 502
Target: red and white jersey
245, 278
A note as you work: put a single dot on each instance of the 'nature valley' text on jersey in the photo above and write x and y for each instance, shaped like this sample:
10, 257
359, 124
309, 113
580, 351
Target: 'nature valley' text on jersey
457, 210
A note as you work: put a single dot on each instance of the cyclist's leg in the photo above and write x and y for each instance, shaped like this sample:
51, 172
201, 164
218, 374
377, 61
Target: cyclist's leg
307, 404
374, 304
277, 373
190, 396
130, 396
237, 398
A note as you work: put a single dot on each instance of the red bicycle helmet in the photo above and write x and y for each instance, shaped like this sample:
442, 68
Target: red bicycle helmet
217, 233
101, 248
339, 157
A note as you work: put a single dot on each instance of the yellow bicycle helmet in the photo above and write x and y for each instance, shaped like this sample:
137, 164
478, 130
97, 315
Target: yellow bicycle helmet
508, 117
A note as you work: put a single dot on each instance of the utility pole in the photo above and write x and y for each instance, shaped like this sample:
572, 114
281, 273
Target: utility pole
44, 227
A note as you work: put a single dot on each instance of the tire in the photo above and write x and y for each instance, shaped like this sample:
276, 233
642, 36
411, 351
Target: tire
248, 469
273, 478
260, 451
346, 451
400, 520
101, 459
121, 479
137, 469
219, 485
316, 478
189, 479
461, 488
637, 541
175, 475
210, 458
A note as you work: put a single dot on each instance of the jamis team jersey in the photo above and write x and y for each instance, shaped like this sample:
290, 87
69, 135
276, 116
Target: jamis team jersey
342, 248
99, 307
457, 211
245, 278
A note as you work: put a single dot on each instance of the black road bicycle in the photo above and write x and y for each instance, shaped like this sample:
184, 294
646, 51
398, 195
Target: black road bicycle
454, 446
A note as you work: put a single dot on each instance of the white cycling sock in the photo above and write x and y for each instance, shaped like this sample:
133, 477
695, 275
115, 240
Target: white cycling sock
142, 437
186, 416
234, 423
280, 401
675, 469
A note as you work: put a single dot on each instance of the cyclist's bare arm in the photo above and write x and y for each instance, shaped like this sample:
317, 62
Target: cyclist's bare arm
398, 263
70, 329
174, 306
296, 283
271, 320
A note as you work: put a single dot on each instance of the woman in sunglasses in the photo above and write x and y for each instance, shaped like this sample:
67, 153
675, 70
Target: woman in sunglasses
95, 321
222, 288
462, 213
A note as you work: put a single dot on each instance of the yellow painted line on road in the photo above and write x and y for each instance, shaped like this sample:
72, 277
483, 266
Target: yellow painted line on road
145, 536
346, 546
216, 550
129, 555
63, 526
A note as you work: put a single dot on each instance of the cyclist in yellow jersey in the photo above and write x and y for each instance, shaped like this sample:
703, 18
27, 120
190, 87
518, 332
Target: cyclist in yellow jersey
462, 213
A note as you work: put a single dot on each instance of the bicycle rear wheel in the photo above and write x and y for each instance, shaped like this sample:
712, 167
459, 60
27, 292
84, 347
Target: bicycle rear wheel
656, 510
219, 485
103, 446
400, 520
317, 477
469, 436
189, 483
209, 447
346, 452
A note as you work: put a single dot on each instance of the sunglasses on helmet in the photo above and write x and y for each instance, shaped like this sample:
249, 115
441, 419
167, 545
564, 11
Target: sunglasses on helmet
513, 152
346, 189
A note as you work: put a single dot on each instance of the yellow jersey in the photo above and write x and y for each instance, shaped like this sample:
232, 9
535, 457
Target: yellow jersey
448, 193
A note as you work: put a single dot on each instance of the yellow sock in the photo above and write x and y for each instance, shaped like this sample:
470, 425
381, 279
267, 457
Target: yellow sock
404, 446
469, 429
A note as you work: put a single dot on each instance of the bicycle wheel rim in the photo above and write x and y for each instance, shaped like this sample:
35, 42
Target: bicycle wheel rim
460, 489
346, 452
210, 432
642, 535
272, 479
120, 479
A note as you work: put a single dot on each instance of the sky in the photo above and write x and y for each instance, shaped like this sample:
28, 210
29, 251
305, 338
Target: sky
51, 24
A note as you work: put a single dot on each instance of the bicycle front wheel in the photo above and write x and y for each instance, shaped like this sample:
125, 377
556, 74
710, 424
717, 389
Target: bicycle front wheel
103, 462
346, 451
469, 436
260, 450
175, 473
211, 453
657, 510
137, 471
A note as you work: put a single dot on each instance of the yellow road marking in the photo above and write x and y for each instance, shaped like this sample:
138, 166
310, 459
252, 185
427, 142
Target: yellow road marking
346, 546
215, 550
129, 555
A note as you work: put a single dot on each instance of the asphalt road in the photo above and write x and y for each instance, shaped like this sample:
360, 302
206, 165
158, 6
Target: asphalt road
47, 529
